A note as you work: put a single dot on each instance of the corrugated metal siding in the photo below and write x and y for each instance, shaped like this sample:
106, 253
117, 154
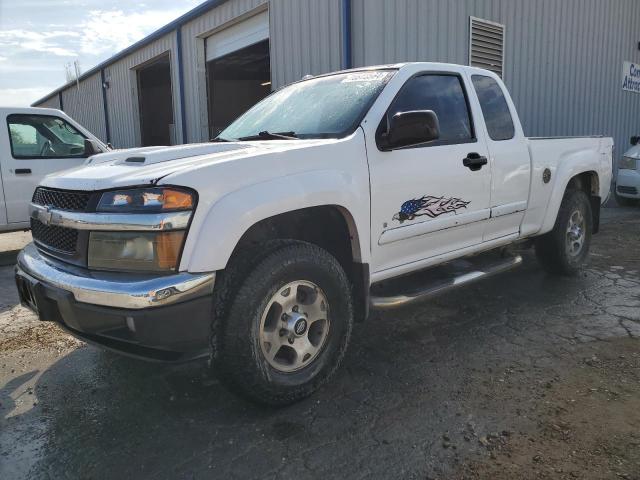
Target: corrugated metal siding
563, 60
122, 99
305, 38
195, 84
52, 102
84, 104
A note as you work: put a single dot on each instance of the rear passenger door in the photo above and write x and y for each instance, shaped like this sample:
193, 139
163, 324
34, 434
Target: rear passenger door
509, 157
424, 200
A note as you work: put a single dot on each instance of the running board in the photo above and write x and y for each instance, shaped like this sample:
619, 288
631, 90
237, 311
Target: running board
439, 280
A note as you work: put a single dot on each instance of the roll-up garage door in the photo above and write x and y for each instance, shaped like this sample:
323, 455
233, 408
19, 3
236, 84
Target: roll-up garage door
240, 35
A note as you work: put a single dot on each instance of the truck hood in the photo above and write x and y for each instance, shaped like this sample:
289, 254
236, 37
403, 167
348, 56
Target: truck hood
149, 165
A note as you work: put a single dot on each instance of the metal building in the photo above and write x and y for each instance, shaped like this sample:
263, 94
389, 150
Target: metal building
563, 61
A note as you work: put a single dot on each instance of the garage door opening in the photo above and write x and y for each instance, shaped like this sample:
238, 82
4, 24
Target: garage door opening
238, 70
155, 101
236, 82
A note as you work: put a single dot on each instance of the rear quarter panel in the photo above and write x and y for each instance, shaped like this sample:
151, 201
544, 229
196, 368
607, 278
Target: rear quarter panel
565, 158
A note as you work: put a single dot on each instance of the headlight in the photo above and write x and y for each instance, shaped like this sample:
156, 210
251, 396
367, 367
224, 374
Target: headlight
627, 163
146, 200
135, 251
144, 251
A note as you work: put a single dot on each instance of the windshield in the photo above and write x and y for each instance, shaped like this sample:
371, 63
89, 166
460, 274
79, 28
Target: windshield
324, 107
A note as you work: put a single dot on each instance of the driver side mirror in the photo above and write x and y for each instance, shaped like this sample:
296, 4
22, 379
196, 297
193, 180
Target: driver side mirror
635, 140
91, 147
410, 128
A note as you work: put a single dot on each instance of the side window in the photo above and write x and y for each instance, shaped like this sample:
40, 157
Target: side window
43, 136
444, 94
494, 108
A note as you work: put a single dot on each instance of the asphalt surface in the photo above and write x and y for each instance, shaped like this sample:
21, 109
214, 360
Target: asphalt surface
509, 378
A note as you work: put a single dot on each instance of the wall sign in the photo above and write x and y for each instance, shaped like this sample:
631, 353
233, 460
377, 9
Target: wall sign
631, 77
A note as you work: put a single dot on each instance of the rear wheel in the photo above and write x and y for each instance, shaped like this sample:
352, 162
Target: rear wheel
286, 324
564, 250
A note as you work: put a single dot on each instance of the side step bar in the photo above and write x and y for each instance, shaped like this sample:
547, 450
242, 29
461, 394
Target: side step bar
445, 283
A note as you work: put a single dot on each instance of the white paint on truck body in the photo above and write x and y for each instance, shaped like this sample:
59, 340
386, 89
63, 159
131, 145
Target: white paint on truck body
460, 211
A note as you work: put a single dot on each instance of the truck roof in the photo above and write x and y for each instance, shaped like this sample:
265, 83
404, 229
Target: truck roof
27, 110
399, 66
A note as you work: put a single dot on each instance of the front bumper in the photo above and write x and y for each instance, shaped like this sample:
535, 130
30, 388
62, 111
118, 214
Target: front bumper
164, 318
628, 183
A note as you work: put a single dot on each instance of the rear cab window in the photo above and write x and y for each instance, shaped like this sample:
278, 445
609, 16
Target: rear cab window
495, 108
43, 136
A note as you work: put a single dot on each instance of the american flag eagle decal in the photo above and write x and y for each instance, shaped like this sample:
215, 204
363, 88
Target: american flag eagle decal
430, 206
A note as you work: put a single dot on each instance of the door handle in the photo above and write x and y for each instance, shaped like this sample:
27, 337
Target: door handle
23, 171
474, 161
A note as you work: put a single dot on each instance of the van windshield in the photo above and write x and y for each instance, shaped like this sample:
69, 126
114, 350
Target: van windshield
324, 107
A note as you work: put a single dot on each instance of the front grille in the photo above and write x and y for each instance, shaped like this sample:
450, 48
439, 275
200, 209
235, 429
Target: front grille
57, 238
627, 190
64, 200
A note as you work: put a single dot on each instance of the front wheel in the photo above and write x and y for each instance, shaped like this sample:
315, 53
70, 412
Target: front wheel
287, 323
564, 250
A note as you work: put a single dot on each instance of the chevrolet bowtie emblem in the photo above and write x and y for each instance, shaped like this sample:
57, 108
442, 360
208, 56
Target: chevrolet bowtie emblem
45, 215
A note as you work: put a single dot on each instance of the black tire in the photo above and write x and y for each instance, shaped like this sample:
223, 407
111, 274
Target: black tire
626, 202
552, 248
245, 290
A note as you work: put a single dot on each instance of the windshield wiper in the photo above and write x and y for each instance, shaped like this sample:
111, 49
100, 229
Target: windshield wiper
270, 136
219, 139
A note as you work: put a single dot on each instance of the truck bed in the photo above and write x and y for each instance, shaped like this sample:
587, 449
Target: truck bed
557, 157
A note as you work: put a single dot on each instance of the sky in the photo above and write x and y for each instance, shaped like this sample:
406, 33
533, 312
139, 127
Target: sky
39, 37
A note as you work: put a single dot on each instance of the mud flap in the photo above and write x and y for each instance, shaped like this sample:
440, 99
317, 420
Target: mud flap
595, 209
361, 285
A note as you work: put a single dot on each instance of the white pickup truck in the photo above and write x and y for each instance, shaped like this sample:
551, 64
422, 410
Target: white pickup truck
35, 142
261, 249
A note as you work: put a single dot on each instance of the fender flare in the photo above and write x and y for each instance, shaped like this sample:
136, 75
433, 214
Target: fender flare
232, 215
567, 170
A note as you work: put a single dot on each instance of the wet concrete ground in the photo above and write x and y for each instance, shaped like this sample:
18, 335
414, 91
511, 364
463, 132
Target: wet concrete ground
522, 376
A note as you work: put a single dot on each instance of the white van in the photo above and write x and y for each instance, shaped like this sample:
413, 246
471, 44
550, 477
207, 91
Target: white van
628, 182
35, 142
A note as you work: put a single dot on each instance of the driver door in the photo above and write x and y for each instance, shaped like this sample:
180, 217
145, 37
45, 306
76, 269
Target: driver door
426, 200
39, 145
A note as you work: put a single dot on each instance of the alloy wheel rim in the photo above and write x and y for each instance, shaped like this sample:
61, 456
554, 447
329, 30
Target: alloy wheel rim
294, 326
576, 233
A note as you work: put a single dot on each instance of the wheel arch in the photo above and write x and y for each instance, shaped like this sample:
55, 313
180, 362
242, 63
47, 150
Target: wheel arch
331, 227
587, 181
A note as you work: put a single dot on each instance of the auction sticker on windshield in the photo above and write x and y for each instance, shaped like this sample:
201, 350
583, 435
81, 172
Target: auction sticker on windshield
365, 76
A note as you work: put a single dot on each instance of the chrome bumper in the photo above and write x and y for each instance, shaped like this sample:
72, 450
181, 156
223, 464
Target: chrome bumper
120, 290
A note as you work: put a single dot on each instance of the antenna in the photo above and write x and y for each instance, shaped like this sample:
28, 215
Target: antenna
76, 65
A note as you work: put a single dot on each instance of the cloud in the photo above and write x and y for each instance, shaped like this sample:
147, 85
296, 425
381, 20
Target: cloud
22, 97
45, 42
114, 30
39, 37
101, 31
